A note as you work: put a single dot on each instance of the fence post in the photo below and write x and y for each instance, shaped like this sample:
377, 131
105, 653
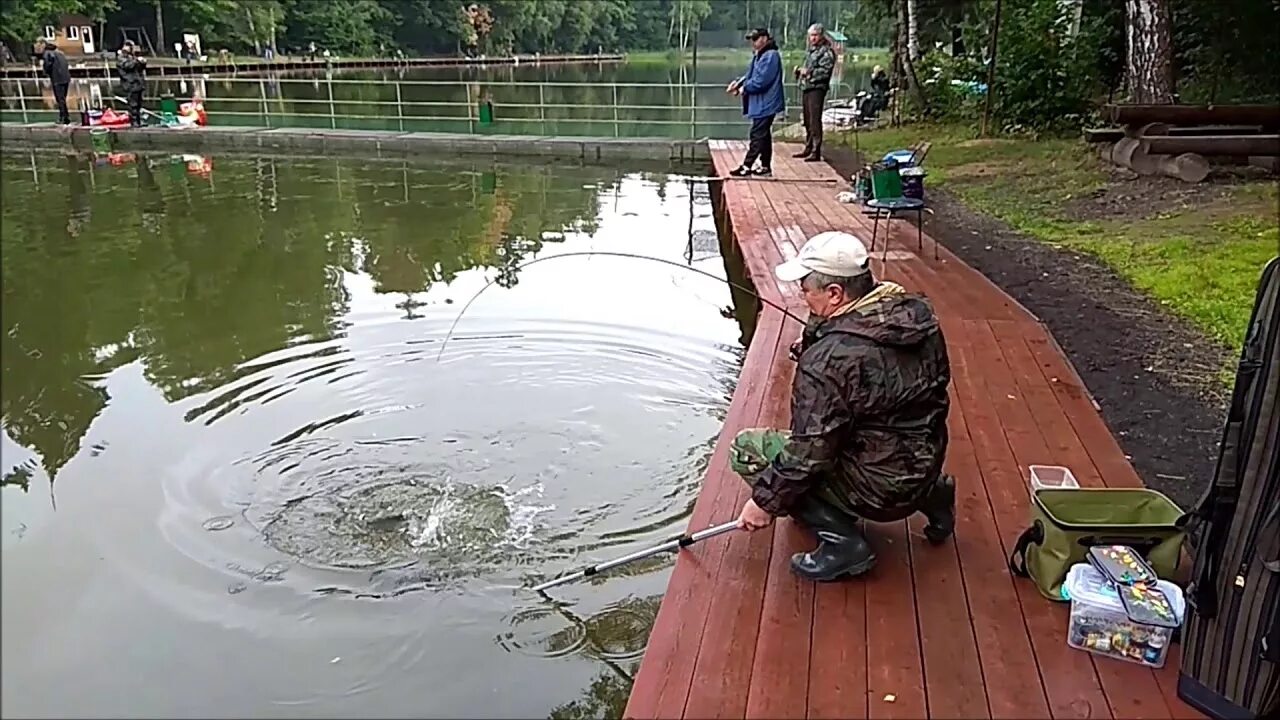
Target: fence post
615, 109
22, 100
333, 115
542, 110
471, 123
693, 92
399, 107
266, 109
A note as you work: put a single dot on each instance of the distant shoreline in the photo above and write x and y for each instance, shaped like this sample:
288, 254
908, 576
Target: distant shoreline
99, 67
852, 56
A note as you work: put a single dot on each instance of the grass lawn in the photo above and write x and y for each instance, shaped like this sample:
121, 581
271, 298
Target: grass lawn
1198, 250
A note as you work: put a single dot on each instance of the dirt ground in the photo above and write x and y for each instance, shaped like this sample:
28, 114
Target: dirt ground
1146, 369
1128, 196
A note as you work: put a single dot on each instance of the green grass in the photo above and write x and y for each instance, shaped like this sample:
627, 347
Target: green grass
1203, 263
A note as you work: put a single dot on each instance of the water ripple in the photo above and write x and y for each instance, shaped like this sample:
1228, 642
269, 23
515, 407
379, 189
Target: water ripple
406, 485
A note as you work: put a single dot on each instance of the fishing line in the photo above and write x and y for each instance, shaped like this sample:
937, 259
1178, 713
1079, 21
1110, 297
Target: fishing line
610, 253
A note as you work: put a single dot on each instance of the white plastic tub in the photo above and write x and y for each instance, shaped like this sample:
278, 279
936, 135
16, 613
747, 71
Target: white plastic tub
1052, 477
1100, 625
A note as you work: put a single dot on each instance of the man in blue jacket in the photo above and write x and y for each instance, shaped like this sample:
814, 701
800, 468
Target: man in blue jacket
762, 99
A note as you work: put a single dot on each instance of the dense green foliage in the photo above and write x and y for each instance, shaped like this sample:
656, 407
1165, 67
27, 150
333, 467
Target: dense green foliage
431, 27
1051, 74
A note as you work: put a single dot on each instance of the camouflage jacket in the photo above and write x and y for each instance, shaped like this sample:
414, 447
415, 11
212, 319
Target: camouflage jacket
868, 411
131, 69
821, 61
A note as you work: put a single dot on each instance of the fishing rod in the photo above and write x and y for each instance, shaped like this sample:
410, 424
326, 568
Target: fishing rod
710, 178
152, 113
676, 543
609, 253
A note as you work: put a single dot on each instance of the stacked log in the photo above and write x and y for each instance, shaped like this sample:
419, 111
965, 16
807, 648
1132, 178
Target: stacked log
1174, 140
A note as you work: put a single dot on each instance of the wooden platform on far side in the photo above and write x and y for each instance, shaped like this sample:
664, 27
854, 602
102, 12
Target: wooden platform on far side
931, 632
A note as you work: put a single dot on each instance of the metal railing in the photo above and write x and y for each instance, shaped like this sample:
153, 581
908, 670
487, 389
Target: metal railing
474, 105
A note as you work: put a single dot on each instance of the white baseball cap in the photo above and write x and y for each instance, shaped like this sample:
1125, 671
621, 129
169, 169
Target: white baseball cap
830, 253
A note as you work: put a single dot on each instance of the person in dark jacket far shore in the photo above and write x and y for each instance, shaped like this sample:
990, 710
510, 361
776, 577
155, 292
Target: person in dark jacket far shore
869, 412
132, 80
762, 100
56, 69
815, 79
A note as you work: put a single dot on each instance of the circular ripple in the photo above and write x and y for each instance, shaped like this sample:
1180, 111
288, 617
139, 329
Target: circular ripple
220, 522
390, 522
381, 471
619, 631
544, 632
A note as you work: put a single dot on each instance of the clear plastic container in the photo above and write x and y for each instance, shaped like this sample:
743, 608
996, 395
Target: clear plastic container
1053, 477
1100, 625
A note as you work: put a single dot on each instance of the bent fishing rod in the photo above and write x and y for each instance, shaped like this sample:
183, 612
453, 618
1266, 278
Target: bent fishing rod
611, 253
676, 543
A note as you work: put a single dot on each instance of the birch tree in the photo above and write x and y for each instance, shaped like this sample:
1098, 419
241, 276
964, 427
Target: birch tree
1149, 70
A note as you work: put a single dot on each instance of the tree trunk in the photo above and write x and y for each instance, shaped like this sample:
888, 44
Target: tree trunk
1072, 10
253, 31
908, 67
164, 48
271, 21
913, 32
1150, 52
992, 52
786, 21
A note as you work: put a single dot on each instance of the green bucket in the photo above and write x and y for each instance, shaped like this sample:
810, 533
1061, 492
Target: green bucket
102, 139
886, 183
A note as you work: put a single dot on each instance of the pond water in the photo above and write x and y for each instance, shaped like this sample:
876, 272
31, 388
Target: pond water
619, 99
244, 475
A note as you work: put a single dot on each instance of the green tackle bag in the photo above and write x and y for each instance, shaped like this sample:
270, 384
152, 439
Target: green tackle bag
1065, 523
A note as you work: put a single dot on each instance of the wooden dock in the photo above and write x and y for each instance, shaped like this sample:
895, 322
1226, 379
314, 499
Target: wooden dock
931, 632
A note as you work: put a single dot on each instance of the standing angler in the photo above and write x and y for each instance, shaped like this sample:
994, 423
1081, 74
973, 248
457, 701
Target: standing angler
868, 415
762, 99
815, 79
55, 67
131, 69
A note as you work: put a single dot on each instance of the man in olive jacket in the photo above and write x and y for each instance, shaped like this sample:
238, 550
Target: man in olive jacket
54, 63
868, 415
131, 69
815, 80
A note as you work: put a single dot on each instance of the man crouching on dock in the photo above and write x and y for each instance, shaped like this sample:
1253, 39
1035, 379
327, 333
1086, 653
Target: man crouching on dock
868, 415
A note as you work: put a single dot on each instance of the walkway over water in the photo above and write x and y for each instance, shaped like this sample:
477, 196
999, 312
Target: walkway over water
101, 66
932, 631
366, 143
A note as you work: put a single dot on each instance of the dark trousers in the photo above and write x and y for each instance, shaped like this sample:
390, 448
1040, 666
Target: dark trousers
760, 142
135, 108
813, 100
60, 99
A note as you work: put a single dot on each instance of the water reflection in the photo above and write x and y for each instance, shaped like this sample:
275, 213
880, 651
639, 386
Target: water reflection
233, 463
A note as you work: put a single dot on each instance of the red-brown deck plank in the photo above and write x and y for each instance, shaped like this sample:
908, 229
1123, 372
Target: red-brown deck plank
1013, 684
661, 689
780, 671
729, 644
943, 631
895, 674
838, 654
